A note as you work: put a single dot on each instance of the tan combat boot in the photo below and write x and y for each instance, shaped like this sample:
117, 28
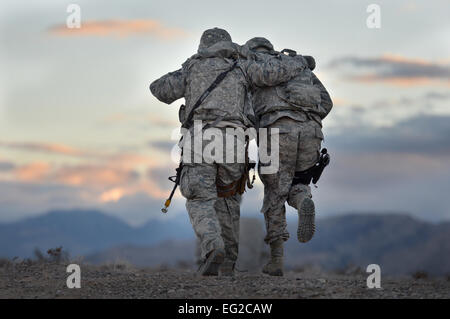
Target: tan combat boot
210, 267
275, 265
227, 268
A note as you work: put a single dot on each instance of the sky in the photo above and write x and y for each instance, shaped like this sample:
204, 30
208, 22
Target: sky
80, 129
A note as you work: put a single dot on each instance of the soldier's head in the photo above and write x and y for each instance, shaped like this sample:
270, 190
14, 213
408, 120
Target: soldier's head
259, 44
212, 36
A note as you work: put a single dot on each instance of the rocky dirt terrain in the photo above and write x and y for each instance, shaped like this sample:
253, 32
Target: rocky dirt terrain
32, 279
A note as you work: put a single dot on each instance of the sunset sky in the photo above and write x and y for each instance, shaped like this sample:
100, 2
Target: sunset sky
80, 129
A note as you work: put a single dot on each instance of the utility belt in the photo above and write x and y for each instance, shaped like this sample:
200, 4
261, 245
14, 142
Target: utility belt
238, 186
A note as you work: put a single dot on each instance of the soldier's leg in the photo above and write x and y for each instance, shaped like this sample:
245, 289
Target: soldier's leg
228, 213
276, 188
276, 191
300, 196
198, 186
273, 209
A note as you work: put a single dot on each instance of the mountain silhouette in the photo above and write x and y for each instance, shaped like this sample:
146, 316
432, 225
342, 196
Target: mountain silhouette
400, 244
82, 232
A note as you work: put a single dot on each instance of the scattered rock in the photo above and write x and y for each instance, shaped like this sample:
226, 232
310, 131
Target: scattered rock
27, 281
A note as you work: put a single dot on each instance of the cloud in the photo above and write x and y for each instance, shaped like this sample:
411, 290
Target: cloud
112, 195
415, 151
33, 171
115, 118
138, 208
120, 28
437, 96
164, 146
164, 122
384, 183
388, 112
42, 147
404, 167
419, 135
22, 199
401, 167
93, 175
394, 70
109, 178
121, 159
6, 166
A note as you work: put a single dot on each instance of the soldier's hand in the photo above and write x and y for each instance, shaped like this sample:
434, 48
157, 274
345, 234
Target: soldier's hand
311, 62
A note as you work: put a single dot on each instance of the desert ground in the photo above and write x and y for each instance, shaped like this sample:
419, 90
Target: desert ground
47, 279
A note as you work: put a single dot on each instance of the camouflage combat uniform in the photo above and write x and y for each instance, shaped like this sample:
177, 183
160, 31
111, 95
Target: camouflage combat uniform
216, 220
296, 108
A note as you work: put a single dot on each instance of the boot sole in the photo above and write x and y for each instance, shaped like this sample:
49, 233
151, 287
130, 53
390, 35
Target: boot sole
212, 264
306, 221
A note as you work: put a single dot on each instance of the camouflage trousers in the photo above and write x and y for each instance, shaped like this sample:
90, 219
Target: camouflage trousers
299, 149
215, 219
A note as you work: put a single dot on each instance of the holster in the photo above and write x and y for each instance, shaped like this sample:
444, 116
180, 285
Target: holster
233, 188
313, 173
238, 186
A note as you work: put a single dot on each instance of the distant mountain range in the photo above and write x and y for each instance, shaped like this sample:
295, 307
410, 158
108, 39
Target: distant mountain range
83, 232
399, 243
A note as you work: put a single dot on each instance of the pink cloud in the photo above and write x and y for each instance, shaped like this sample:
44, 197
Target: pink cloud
394, 70
109, 178
33, 171
42, 147
121, 28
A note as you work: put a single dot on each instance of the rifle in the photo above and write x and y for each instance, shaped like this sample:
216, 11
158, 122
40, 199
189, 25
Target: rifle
174, 179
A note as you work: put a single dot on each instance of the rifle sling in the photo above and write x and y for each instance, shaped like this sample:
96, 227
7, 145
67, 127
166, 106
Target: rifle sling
205, 94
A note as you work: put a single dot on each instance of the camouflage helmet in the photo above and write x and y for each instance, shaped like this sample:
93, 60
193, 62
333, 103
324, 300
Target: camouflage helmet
212, 36
259, 42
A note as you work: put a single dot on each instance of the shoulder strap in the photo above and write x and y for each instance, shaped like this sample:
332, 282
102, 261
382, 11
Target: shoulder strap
205, 94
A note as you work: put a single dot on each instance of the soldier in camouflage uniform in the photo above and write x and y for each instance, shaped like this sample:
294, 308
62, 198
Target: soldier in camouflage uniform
216, 219
296, 108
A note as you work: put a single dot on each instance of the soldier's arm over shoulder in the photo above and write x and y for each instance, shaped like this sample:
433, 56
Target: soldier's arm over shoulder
268, 70
170, 87
327, 103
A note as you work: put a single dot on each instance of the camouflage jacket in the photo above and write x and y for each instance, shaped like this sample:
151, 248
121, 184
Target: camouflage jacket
230, 101
302, 98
